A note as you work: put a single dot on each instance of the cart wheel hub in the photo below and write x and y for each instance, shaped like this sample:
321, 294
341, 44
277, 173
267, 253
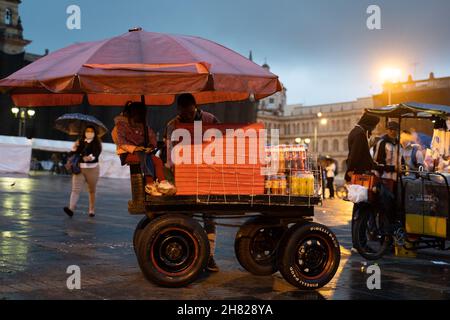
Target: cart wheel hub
174, 250
312, 257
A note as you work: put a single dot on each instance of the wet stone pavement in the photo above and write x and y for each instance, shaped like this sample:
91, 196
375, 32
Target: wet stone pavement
38, 242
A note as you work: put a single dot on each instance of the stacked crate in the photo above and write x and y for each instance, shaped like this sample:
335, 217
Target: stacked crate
241, 177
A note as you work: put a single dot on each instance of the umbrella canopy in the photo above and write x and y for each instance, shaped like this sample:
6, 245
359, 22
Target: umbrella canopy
137, 66
412, 110
76, 123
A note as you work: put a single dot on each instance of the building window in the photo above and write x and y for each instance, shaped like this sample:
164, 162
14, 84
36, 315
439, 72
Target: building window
8, 16
335, 145
325, 146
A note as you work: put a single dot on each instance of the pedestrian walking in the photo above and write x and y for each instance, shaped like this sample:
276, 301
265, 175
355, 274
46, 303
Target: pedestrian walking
330, 174
88, 148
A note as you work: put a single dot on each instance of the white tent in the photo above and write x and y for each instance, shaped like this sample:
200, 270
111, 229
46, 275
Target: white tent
15, 154
110, 166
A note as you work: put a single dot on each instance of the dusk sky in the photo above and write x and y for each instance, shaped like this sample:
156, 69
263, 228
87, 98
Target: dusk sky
321, 50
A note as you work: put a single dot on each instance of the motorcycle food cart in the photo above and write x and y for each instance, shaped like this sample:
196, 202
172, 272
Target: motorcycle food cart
422, 198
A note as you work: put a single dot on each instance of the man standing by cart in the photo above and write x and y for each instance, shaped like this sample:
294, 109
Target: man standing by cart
387, 154
359, 159
188, 112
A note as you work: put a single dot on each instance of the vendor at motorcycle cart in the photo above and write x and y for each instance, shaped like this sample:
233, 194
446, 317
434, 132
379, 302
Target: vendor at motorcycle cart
387, 153
387, 156
188, 112
359, 159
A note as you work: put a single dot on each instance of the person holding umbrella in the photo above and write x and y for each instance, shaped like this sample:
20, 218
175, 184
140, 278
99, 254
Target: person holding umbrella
88, 147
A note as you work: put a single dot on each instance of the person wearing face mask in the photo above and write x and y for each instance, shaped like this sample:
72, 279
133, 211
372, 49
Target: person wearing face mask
89, 148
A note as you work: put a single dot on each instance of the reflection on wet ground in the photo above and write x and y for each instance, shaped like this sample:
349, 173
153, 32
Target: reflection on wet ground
38, 242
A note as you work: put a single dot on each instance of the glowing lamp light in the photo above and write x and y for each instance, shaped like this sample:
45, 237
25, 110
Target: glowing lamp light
323, 121
390, 75
298, 140
307, 140
31, 112
15, 110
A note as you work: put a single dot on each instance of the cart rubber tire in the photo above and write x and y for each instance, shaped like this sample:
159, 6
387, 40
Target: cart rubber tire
138, 232
309, 256
173, 250
255, 249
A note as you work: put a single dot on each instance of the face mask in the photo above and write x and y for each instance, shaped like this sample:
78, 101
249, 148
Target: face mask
89, 135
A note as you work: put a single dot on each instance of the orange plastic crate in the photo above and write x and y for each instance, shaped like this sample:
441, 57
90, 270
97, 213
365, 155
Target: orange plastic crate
233, 179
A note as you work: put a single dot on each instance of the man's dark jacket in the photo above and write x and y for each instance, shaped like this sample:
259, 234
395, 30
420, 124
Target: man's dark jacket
359, 159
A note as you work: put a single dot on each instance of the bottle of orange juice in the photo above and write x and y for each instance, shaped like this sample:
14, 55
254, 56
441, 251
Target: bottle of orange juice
309, 184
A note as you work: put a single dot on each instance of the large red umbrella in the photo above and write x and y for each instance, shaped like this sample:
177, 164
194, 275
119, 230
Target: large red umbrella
139, 65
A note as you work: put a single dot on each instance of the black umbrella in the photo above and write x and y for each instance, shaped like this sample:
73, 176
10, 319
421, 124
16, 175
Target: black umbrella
76, 123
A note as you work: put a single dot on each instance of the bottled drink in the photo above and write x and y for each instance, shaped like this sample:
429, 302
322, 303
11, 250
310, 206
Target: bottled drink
283, 184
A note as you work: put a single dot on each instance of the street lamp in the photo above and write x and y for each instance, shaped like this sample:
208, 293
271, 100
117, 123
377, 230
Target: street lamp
22, 116
307, 140
388, 77
298, 140
323, 121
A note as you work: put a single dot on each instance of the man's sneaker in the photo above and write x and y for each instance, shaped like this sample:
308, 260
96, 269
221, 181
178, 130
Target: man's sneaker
166, 188
152, 190
212, 266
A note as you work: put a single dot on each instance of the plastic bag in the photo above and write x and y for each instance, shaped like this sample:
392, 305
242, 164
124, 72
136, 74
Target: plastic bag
357, 193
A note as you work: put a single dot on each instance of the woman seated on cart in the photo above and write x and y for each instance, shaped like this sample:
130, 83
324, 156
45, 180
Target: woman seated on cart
128, 135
